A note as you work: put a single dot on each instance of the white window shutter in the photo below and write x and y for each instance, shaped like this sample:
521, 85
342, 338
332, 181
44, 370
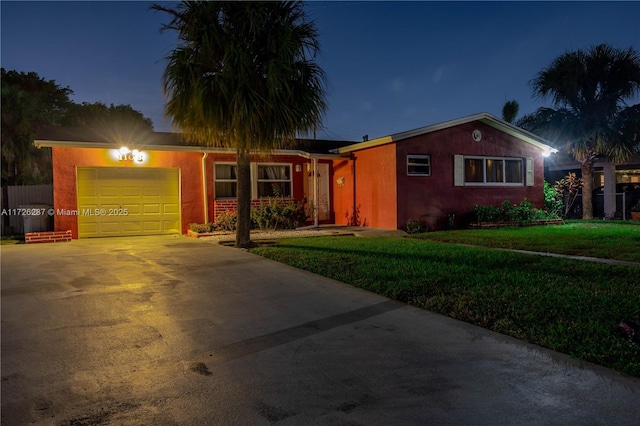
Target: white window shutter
529, 171
458, 170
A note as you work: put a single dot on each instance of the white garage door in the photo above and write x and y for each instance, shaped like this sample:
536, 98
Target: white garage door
127, 201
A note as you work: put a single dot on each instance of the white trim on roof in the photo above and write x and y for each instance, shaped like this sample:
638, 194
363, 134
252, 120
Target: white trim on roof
104, 145
482, 117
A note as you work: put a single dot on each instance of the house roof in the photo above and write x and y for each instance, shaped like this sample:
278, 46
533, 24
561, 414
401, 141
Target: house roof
484, 117
81, 137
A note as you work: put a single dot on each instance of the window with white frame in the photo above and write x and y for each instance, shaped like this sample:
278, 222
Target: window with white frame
226, 180
418, 165
273, 180
267, 180
493, 171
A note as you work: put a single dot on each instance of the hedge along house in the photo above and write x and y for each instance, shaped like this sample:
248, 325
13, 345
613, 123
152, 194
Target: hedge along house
156, 183
437, 174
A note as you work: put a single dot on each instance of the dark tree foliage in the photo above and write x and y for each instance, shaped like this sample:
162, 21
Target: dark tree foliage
30, 103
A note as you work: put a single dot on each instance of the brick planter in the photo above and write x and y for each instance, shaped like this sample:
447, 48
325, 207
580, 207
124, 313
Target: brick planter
199, 234
47, 237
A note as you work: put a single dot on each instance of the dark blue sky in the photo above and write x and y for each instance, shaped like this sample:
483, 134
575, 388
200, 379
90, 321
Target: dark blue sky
391, 66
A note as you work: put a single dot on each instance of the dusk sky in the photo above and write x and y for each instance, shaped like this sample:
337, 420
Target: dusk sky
391, 66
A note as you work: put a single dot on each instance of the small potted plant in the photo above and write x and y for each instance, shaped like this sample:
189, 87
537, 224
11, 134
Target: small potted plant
635, 211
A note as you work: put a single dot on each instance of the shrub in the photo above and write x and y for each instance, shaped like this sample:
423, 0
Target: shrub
508, 212
226, 221
569, 187
553, 203
200, 228
278, 213
413, 226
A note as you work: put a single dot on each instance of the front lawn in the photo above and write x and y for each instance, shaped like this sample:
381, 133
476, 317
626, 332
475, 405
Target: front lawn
566, 305
605, 239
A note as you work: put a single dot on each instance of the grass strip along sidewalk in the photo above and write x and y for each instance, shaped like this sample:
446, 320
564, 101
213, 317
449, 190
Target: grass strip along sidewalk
604, 239
566, 305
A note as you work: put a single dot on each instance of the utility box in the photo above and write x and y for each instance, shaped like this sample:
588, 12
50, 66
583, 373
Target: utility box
36, 217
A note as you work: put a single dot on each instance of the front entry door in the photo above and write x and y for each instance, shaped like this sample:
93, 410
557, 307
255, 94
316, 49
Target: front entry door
323, 190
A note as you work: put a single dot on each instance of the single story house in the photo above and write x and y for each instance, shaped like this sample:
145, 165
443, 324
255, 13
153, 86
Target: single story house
437, 174
156, 183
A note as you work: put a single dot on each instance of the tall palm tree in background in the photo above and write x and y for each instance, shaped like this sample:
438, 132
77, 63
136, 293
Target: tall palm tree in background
590, 118
510, 111
243, 76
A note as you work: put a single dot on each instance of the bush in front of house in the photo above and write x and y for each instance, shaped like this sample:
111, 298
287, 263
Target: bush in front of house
413, 226
553, 202
278, 213
226, 221
509, 212
201, 228
270, 214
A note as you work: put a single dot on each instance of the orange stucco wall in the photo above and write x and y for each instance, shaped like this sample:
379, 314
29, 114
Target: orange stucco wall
369, 189
432, 199
66, 160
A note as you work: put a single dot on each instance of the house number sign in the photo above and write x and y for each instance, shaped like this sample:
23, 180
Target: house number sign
124, 154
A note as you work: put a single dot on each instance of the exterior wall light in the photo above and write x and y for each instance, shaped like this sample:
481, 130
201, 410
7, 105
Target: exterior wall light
124, 154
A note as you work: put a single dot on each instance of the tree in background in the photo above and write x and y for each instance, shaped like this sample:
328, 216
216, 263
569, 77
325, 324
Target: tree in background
100, 115
30, 103
589, 117
510, 111
243, 76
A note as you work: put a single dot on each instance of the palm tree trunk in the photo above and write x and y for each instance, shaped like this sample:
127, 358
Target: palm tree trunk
243, 227
587, 189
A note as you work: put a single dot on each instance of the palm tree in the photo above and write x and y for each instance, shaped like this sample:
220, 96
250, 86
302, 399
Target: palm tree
510, 111
243, 76
590, 117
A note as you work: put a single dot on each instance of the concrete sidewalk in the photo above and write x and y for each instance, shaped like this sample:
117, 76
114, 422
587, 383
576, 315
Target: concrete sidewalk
176, 331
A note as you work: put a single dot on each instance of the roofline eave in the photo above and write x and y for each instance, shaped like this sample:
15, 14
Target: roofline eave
43, 143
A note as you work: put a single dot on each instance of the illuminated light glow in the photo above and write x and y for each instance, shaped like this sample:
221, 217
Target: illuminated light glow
124, 154
546, 153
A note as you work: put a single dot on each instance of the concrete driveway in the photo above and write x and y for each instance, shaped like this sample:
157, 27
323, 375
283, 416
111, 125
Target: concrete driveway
176, 331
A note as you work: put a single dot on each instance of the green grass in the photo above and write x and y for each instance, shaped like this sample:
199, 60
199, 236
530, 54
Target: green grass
566, 305
605, 239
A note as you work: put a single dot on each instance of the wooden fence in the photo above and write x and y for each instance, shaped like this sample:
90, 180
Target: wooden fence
15, 198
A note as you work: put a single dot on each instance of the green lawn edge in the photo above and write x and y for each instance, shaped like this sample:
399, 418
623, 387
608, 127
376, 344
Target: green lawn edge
570, 306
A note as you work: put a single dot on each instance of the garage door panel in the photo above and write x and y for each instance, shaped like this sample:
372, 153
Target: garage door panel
153, 226
87, 174
130, 191
151, 198
88, 229
151, 191
171, 209
151, 209
173, 226
131, 209
112, 227
132, 227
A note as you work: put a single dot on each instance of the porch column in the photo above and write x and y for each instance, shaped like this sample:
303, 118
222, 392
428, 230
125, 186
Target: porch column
609, 172
316, 210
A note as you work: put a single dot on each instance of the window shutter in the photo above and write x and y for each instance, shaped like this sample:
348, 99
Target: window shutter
458, 170
529, 171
